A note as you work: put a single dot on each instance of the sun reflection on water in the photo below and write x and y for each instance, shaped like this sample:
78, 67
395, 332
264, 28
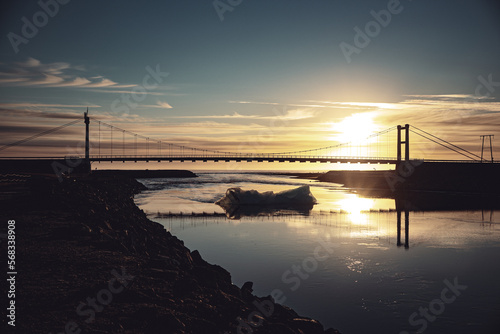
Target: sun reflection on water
356, 209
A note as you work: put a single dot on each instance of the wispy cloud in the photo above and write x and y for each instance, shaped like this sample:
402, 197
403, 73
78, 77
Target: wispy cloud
305, 105
355, 105
28, 114
421, 106
114, 91
457, 118
159, 105
452, 97
464, 105
255, 102
34, 73
42, 105
296, 114
44, 110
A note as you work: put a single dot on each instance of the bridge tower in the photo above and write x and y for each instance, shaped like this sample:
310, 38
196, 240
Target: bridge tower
87, 141
406, 142
491, 147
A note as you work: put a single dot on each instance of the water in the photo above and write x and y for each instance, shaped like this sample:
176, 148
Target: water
350, 273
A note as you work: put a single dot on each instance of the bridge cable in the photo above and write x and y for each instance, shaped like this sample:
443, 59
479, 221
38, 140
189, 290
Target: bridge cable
447, 142
421, 135
38, 135
348, 144
193, 149
99, 142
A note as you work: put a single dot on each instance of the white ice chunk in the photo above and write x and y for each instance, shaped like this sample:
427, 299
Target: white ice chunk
298, 196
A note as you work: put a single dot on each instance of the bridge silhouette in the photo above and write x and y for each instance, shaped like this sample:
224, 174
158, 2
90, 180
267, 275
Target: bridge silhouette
111, 143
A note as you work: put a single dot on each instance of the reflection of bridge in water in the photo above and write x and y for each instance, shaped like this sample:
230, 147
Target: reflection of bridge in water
341, 220
334, 218
407, 227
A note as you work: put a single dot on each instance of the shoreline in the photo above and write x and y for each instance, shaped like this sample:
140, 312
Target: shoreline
144, 173
89, 259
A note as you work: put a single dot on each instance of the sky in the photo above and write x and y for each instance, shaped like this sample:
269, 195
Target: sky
252, 76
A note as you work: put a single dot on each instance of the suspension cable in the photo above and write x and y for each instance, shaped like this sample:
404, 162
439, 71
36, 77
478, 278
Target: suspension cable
38, 135
193, 149
447, 142
442, 145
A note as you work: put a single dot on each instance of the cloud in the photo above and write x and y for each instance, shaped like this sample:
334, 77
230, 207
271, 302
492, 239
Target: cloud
358, 106
250, 102
290, 115
33, 73
369, 105
457, 118
42, 105
281, 104
35, 65
30, 112
164, 105
26, 113
11, 129
159, 105
112, 91
451, 97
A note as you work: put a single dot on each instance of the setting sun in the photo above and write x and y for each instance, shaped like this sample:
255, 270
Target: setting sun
354, 128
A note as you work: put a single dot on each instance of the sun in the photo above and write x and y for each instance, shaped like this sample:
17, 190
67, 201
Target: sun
354, 128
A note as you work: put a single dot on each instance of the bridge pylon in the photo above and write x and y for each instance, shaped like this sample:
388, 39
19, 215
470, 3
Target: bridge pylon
406, 142
87, 140
491, 147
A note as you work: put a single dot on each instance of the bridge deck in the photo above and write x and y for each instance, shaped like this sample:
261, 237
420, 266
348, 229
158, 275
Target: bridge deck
241, 158
245, 159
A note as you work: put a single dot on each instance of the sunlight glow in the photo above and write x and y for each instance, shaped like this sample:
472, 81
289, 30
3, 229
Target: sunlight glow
356, 204
356, 207
355, 128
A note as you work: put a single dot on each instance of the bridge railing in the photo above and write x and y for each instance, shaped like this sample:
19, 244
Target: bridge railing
235, 156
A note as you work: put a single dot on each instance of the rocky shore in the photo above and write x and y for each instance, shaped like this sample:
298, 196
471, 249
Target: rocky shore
89, 261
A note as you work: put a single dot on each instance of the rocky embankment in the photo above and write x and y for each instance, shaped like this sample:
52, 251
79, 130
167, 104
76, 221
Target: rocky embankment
89, 261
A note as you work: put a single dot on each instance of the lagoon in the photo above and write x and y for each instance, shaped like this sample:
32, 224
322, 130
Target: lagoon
368, 282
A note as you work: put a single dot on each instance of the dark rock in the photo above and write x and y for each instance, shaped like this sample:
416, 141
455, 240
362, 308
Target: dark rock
246, 291
247, 287
308, 325
76, 233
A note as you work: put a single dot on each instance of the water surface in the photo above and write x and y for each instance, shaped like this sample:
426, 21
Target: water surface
360, 279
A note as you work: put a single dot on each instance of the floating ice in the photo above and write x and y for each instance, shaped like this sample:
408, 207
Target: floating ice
238, 202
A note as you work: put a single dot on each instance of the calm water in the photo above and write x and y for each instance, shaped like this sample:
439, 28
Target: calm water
341, 263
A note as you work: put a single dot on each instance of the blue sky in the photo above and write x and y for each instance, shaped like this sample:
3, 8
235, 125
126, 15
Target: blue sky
228, 79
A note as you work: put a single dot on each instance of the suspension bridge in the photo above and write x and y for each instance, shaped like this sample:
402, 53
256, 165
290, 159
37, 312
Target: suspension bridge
111, 143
